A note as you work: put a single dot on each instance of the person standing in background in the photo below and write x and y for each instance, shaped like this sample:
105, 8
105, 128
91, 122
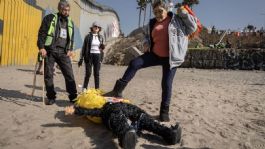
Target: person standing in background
55, 43
92, 53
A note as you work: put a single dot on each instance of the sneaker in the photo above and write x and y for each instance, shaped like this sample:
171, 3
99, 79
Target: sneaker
49, 101
129, 140
84, 89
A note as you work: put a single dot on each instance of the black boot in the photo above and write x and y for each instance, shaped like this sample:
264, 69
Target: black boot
171, 135
164, 117
174, 135
117, 90
128, 141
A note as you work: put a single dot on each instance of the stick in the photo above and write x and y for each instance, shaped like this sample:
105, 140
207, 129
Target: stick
34, 80
77, 78
43, 83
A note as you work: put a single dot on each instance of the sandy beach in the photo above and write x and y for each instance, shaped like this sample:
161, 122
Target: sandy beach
219, 109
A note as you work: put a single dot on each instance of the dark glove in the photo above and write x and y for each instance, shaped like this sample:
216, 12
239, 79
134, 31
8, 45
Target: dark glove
80, 62
102, 46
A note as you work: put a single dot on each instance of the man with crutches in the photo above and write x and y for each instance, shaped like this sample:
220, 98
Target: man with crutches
55, 43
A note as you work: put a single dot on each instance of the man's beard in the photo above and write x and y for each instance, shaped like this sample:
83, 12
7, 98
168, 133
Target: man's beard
63, 16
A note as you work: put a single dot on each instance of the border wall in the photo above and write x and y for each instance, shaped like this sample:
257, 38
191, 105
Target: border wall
20, 21
241, 59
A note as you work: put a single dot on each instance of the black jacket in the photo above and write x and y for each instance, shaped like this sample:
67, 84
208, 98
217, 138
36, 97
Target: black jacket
43, 31
85, 52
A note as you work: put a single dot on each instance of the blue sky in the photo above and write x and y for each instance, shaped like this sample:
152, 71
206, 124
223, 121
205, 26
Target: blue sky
223, 14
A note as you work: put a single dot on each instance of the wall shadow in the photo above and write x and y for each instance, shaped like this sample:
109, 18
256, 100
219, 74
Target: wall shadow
145, 146
26, 70
15, 97
57, 89
14, 94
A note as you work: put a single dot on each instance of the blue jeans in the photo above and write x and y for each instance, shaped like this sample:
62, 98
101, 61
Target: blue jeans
150, 59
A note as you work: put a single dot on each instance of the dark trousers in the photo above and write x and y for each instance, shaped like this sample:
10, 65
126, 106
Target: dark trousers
94, 61
150, 59
65, 65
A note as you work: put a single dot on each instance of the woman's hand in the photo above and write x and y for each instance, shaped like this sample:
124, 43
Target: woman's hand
181, 11
70, 110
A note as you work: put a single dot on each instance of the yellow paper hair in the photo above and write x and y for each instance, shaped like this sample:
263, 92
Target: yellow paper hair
91, 99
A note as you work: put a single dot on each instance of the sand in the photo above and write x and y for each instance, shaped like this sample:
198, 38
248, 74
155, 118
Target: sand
220, 109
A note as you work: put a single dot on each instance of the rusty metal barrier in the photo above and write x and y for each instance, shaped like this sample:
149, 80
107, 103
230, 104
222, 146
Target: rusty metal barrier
19, 24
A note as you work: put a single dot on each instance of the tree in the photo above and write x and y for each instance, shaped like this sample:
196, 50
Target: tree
142, 4
213, 30
190, 3
144, 15
251, 28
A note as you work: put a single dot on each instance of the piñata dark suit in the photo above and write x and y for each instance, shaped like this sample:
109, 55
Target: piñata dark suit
126, 120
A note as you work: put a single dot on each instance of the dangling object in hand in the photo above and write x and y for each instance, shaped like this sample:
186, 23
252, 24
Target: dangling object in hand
40, 57
102, 46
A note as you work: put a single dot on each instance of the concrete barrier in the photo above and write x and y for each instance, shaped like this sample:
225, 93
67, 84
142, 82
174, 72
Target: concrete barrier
242, 59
